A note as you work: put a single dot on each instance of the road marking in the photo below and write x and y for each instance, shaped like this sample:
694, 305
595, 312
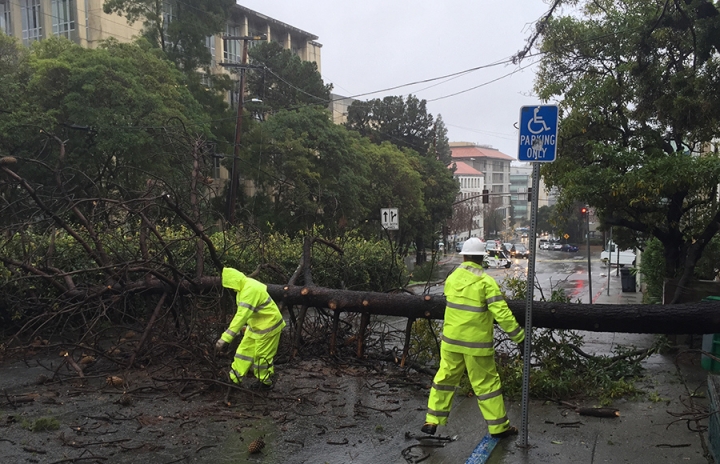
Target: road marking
482, 451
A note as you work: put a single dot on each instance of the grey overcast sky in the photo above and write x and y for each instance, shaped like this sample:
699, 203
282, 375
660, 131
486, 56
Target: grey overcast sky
376, 44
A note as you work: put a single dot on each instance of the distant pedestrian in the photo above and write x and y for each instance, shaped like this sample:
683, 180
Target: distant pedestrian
264, 324
474, 301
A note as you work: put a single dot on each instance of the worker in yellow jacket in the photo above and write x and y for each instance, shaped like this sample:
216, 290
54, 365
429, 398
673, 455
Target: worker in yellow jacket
264, 325
474, 302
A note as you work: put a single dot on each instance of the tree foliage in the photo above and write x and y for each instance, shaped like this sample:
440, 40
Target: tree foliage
402, 122
105, 120
407, 124
637, 83
180, 29
285, 81
306, 173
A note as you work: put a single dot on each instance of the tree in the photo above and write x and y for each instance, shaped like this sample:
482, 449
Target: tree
544, 221
286, 81
636, 83
466, 217
306, 172
180, 29
441, 144
102, 122
405, 123
408, 125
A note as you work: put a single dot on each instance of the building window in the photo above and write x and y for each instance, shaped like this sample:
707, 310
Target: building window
87, 20
210, 44
168, 14
217, 164
31, 20
231, 48
498, 178
63, 17
206, 80
5, 24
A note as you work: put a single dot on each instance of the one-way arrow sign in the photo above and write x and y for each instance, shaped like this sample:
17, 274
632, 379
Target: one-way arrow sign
389, 218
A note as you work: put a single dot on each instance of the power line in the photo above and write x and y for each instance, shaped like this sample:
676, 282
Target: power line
484, 83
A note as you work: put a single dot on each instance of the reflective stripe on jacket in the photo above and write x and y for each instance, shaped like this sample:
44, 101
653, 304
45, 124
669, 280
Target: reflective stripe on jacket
474, 301
254, 307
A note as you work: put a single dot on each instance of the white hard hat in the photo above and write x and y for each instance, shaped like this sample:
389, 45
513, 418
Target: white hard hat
473, 246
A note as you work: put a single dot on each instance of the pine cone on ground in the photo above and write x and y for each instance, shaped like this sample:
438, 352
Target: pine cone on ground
256, 445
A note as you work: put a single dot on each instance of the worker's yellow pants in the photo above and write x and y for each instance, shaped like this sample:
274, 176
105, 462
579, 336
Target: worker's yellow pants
485, 383
258, 354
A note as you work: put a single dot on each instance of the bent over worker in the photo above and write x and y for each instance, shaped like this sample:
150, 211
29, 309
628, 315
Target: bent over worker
474, 301
264, 325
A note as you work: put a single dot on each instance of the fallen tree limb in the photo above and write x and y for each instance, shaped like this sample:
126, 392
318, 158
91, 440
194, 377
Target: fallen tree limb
598, 412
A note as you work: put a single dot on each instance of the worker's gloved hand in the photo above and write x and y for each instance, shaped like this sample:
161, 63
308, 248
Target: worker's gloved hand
220, 345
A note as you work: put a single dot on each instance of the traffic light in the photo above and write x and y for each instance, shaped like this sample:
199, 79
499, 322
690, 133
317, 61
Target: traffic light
529, 193
583, 211
486, 196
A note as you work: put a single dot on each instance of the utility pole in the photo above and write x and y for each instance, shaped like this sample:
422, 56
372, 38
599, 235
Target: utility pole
235, 171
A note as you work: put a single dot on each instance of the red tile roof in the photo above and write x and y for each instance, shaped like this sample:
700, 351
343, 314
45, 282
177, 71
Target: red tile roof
464, 169
473, 151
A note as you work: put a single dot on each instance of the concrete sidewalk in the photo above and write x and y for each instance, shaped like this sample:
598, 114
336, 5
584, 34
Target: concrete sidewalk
653, 428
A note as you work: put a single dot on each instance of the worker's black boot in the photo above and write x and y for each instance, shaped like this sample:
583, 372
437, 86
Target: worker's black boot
506, 433
429, 428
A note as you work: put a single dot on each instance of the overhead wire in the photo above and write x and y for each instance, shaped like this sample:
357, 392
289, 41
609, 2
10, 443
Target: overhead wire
484, 83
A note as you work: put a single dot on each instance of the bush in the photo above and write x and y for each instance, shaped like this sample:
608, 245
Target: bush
652, 268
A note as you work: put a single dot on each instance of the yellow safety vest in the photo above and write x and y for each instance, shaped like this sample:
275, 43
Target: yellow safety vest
254, 307
474, 301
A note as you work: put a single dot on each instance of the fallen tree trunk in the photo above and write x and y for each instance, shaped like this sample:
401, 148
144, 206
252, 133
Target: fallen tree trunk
701, 317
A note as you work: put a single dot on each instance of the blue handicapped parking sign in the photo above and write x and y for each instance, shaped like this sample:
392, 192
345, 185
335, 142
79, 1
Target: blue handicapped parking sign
538, 133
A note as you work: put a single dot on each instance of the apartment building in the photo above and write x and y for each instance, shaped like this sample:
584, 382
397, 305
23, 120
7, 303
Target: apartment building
520, 182
468, 212
84, 22
494, 164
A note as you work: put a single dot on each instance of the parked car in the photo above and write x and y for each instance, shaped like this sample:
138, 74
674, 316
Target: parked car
544, 244
459, 245
569, 247
518, 250
557, 246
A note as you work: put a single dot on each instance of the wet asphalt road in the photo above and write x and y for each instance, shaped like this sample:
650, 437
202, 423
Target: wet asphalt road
553, 270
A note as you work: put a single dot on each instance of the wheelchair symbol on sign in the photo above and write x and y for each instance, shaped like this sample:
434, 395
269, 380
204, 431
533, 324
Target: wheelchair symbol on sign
537, 120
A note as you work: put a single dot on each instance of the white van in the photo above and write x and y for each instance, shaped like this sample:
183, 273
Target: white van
617, 258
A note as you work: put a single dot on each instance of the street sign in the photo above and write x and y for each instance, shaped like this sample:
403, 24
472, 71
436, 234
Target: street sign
389, 218
538, 133
566, 236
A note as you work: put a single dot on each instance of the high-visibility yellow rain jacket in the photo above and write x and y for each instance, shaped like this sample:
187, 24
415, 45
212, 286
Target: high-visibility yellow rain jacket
474, 300
254, 307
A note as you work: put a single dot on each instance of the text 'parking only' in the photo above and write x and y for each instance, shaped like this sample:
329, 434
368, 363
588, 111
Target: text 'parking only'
538, 133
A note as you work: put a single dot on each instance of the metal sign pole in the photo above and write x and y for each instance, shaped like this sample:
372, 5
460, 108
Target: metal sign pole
609, 261
528, 305
537, 144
